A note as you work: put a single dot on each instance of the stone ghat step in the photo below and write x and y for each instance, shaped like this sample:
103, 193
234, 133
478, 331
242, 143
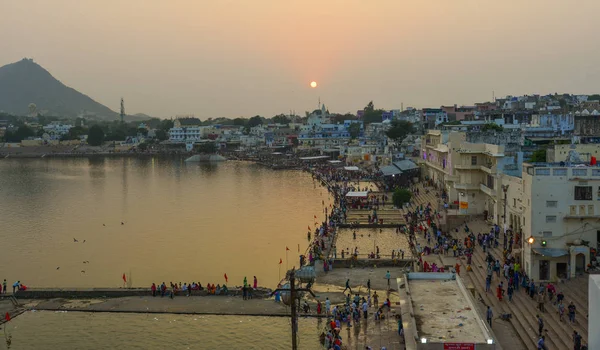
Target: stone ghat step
82, 293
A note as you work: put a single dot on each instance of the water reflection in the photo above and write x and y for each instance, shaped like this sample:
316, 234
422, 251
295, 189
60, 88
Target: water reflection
230, 217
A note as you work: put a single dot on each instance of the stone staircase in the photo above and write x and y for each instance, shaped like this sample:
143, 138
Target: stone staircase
524, 309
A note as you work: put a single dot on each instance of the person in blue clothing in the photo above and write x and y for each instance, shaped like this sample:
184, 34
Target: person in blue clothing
388, 276
541, 344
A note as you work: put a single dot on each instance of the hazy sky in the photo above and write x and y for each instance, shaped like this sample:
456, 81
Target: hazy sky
246, 57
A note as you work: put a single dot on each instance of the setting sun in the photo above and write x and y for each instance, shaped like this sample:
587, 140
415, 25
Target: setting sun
313, 84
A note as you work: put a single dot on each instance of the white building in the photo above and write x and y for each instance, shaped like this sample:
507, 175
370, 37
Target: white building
56, 128
182, 134
556, 208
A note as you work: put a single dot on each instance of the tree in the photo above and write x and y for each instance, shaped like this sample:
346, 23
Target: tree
161, 135
399, 130
492, 127
594, 97
254, 121
95, 136
280, 119
166, 124
240, 121
21, 134
354, 130
538, 156
74, 133
370, 107
401, 196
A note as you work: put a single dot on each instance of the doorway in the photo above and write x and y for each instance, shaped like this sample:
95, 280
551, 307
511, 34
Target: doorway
544, 270
580, 262
561, 270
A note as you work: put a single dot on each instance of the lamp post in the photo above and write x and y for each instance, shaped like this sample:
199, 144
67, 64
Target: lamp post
505, 190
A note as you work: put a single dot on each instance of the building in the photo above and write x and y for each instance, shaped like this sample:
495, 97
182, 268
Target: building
560, 153
56, 129
555, 207
433, 117
467, 172
183, 134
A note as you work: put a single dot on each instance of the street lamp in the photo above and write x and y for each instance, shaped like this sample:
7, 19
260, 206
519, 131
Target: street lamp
505, 190
530, 240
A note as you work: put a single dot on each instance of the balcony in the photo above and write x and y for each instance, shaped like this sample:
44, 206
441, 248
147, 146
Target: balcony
466, 167
581, 217
465, 186
489, 191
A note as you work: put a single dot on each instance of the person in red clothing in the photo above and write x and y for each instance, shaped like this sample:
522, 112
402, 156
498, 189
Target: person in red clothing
500, 291
457, 268
153, 288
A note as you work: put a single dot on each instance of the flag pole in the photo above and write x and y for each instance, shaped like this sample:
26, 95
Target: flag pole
286, 259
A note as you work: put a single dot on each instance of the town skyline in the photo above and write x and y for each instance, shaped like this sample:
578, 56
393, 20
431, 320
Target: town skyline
179, 58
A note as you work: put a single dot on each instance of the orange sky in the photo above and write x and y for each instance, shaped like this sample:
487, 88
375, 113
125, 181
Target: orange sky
245, 57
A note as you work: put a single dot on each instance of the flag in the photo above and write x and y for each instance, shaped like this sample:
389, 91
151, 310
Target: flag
226, 279
124, 278
7, 317
298, 247
309, 227
280, 261
593, 161
286, 248
315, 216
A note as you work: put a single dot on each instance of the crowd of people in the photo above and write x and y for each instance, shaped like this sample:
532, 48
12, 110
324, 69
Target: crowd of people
188, 289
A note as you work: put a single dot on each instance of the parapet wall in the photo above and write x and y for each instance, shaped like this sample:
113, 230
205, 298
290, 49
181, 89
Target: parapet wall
94, 293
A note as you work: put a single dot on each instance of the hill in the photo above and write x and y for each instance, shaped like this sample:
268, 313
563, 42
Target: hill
25, 82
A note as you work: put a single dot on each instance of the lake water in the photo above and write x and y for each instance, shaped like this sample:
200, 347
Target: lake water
64, 330
181, 222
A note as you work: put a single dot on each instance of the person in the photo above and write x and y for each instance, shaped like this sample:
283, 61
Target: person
4, 286
244, 292
16, 286
500, 291
561, 311
347, 286
245, 281
153, 288
388, 276
576, 341
400, 326
327, 306
319, 307
540, 300
572, 310
369, 285
510, 292
489, 314
255, 285
540, 344
365, 308
540, 324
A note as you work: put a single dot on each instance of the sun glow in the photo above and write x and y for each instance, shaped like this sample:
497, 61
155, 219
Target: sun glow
313, 84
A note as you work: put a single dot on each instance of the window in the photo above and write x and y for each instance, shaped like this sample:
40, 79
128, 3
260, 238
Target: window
551, 219
573, 210
580, 172
490, 181
551, 204
514, 202
590, 210
559, 172
473, 160
547, 234
583, 193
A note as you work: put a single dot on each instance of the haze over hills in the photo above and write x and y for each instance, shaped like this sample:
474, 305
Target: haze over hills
25, 82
